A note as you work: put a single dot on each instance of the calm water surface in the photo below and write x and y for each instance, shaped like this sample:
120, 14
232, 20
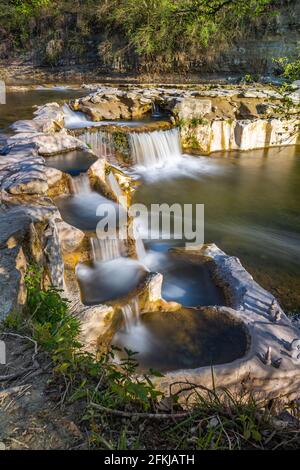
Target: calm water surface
252, 199
20, 104
252, 210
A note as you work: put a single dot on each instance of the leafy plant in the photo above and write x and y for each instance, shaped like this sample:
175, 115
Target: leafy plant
57, 331
289, 68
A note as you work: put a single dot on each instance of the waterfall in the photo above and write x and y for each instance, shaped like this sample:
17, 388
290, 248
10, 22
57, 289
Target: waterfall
114, 186
140, 249
156, 111
131, 314
100, 142
73, 119
139, 242
81, 184
106, 249
158, 148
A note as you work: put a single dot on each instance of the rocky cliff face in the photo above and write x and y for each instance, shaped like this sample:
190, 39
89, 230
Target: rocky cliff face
253, 52
278, 37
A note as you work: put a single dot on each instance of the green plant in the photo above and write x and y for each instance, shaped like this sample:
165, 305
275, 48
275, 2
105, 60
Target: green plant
57, 331
290, 68
248, 78
216, 420
152, 33
222, 421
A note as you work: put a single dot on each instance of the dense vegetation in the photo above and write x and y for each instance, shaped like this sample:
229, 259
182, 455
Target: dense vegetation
125, 33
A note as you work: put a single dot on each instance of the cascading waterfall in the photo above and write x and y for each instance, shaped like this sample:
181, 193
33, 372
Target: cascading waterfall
74, 119
81, 184
106, 249
100, 142
156, 111
114, 186
131, 314
158, 148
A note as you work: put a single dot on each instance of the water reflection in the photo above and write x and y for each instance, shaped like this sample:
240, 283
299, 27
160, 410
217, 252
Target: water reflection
185, 339
252, 210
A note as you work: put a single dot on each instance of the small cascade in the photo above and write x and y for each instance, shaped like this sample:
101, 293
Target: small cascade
140, 249
106, 249
131, 314
156, 111
139, 242
100, 142
73, 119
114, 186
158, 148
81, 184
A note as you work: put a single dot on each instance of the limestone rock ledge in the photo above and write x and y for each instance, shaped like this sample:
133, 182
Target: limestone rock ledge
271, 365
211, 119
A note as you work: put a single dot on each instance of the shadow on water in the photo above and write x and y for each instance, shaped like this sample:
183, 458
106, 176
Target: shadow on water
184, 282
186, 339
252, 208
73, 163
109, 280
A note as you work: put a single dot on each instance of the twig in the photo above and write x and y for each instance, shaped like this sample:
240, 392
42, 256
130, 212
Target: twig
126, 414
6, 378
190, 386
28, 339
11, 390
295, 438
18, 442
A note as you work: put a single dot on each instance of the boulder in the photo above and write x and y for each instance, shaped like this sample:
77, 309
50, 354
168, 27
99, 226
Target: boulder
60, 142
15, 225
26, 177
70, 237
58, 182
189, 108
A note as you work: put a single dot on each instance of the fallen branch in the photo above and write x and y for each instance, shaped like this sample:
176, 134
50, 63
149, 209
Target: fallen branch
126, 414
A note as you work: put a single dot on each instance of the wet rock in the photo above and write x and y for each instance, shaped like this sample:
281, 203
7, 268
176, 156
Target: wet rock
58, 182
70, 237
105, 110
244, 134
60, 142
98, 176
15, 225
53, 255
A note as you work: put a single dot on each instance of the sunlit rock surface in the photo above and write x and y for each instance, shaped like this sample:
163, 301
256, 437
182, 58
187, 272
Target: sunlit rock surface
32, 229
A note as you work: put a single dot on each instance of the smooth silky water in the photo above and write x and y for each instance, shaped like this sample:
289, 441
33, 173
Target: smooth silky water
187, 283
81, 207
73, 163
20, 104
186, 339
252, 209
109, 280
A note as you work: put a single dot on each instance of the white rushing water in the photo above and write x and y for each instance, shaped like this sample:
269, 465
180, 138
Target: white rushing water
100, 142
114, 186
155, 149
131, 314
81, 184
74, 119
106, 249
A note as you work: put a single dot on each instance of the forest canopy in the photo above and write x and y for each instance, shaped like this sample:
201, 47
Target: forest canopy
147, 31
